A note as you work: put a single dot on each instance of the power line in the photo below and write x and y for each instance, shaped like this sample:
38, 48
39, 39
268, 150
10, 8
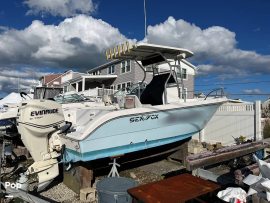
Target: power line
251, 94
235, 83
203, 90
227, 93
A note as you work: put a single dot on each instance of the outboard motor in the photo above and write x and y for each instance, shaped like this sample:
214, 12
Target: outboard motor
39, 123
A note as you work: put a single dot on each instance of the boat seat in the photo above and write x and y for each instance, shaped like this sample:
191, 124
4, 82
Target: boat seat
153, 93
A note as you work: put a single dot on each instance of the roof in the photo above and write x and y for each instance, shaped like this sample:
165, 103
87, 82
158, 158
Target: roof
105, 65
92, 77
189, 64
50, 77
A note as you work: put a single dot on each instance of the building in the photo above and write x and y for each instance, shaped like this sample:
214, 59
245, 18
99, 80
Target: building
57, 80
119, 74
51, 80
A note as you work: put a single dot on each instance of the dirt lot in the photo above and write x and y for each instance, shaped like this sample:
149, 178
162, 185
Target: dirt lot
142, 174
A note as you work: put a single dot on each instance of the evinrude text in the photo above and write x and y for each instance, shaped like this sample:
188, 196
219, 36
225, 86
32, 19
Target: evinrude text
44, 112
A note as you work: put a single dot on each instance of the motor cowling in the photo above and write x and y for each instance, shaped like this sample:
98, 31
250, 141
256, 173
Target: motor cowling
39, 123
37, 119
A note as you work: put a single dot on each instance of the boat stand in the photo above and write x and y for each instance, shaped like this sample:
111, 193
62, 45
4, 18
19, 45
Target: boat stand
114, 172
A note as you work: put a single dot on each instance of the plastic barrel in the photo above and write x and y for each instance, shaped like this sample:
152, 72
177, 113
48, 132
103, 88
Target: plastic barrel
114, 190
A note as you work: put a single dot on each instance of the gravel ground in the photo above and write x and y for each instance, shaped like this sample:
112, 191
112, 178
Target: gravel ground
143, 174
61, 193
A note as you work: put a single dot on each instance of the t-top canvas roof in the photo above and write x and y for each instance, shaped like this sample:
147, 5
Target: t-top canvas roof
147, 53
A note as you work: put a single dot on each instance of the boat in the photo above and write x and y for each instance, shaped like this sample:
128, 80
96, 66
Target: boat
142, 118
8, 112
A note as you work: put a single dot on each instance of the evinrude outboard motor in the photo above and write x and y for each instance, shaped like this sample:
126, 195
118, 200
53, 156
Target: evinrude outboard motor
39, 123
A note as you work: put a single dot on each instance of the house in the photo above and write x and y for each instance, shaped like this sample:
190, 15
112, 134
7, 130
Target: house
67, 79
51, 80
119, 74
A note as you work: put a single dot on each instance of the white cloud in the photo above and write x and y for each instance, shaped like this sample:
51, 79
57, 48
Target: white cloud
64, 8
215, 47
180, 33
11, 79
3, 28
77, 42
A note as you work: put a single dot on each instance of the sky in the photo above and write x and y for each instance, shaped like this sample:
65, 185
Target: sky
230, 39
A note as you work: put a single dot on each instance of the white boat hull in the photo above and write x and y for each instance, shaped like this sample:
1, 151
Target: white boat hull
134, 132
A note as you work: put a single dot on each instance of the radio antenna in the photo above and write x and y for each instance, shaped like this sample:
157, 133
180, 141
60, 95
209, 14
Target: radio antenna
145, 31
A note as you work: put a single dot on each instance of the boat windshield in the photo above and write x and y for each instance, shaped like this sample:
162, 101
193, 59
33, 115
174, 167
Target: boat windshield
70, 98
135, 89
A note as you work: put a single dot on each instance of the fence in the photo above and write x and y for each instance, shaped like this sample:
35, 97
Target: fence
233, 120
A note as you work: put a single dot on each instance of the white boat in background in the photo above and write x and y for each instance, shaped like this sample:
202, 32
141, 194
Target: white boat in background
141, 119
9, 109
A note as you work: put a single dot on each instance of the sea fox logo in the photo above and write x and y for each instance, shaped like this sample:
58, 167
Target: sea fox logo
143, 118
43, 112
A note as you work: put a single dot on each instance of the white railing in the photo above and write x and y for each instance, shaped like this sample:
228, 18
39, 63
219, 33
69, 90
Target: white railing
97, 92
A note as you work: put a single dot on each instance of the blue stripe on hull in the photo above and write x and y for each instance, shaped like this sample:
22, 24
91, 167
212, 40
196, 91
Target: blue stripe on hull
73, 156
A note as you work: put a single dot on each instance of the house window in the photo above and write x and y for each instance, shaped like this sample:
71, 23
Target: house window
128, 84
65, 88
111, 69
123, 86
96, 72
125, 66
184, 73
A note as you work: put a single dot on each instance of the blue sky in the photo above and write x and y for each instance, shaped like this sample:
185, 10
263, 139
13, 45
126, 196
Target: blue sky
230, 39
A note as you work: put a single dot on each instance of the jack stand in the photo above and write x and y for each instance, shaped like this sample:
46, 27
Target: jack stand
114, 172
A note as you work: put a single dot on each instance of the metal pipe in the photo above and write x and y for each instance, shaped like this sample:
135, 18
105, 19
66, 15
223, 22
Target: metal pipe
142, 69
165, 85
178, 88
182, 82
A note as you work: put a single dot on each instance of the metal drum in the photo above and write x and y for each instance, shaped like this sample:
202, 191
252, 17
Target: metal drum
114, 190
